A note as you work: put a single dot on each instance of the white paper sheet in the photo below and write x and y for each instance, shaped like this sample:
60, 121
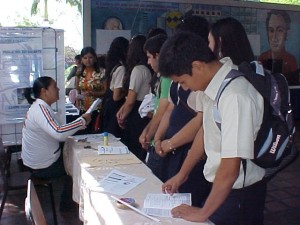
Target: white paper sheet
119, 183
162, 204
112, 150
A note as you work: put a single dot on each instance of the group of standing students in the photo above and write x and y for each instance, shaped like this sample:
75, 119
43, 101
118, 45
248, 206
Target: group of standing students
179, 140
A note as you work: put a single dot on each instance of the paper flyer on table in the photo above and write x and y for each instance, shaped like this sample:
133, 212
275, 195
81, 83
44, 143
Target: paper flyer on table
162, 204
94, 105
112, 150
119, 183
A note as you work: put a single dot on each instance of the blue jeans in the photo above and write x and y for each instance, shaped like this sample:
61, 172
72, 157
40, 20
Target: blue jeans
57, 170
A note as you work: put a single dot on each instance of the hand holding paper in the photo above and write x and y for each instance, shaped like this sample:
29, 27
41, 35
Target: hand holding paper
94, 105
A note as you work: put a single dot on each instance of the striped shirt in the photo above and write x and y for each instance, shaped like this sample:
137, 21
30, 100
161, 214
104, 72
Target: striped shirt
42, 133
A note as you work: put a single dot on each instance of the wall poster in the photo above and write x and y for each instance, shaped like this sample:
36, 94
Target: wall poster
20, 65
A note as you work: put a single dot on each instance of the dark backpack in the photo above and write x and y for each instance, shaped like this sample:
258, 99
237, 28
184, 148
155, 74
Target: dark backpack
274, 141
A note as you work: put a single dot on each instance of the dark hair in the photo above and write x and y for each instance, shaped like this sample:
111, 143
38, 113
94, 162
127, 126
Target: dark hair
155, 31
101, 61
38, 84
135, 56
116, 55
284, 14
153, 44
180, 50
87, 50
77, 57
231, 40
195, 24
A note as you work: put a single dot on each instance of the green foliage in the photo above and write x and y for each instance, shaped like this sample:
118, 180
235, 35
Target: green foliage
70, 54
289, 2
73, 3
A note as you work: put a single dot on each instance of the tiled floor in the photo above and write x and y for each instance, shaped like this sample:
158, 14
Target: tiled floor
282, 204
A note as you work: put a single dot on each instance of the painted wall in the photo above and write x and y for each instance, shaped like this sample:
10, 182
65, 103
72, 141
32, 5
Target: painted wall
139, 16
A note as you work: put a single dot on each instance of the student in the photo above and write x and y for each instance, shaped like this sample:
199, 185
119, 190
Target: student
227, 38
160, 88
115, 94
137, 81
72, 74
70, 81
241, 108
178, 127
42, 134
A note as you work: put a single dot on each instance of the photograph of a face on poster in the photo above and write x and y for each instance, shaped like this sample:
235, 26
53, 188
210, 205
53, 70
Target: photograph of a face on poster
280, 53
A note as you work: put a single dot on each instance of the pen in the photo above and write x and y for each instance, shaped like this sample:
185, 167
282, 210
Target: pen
135, 209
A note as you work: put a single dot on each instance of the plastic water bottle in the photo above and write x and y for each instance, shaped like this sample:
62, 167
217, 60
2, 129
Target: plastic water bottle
105, 138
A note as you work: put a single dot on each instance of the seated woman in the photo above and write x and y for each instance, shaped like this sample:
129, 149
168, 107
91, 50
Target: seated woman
42, 134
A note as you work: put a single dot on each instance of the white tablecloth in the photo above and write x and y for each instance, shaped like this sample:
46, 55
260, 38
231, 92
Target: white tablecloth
96, 207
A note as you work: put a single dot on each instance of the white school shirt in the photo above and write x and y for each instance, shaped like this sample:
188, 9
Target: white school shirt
140, 81
117, 78
42, 133
241, 109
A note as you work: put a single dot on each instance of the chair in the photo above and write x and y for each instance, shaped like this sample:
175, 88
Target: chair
18, 180
33, 209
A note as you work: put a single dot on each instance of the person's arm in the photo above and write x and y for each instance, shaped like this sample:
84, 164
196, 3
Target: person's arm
72, 73
118, 94
143, 140
162, 128
117, 79
149, 133
226, 175
126, 107
184, 136
57, 131
195, 154
97, 94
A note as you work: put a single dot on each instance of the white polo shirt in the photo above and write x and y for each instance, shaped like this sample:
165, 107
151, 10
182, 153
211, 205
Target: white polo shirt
140, 81
117, 78
241, 109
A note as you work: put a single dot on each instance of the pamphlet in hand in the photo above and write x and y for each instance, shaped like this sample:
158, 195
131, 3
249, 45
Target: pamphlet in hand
162, 204
94, 105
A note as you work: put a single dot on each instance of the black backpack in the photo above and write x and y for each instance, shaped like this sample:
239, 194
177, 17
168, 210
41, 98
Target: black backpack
273, 147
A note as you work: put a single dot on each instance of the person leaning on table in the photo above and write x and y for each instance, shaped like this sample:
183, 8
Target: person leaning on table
234, 195
42, 134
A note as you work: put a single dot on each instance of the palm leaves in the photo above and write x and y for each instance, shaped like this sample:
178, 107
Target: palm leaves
35, 4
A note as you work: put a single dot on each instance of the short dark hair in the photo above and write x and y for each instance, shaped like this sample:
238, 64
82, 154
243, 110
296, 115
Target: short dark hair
231, 40
180, 50
196, 24
77, 57
153, 44
155, 31
282, 13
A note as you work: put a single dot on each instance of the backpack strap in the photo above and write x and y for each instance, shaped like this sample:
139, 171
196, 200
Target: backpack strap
216, 114
229, 77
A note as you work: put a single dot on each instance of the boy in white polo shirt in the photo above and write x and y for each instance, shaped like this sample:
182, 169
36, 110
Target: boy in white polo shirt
235, 196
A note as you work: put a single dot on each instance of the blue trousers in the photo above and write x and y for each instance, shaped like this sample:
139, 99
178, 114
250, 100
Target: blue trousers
243, 206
